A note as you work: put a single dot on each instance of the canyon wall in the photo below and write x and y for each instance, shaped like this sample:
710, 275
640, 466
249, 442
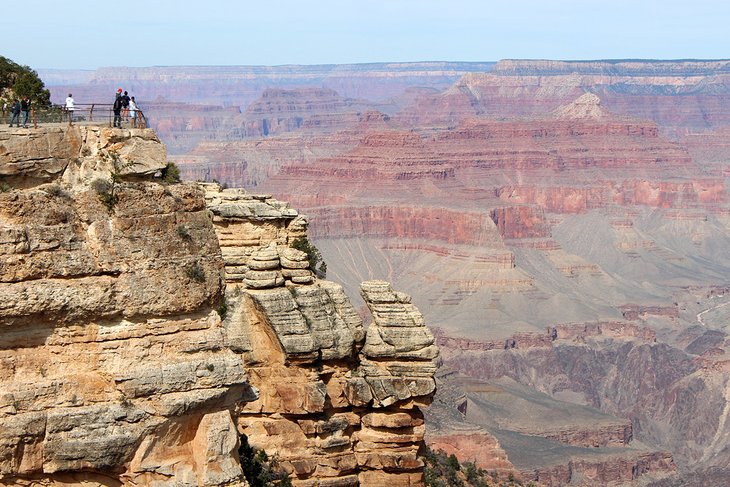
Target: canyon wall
149, 328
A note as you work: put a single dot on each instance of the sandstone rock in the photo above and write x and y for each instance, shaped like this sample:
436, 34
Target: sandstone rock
110, 350
298, 342
309, 322
38, 155
215, 449
398, 333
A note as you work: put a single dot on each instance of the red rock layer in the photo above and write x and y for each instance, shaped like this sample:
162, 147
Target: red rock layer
520, 222
482, 449
618, 471
432, 224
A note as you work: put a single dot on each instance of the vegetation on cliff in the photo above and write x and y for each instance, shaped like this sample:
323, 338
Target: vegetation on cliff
444, 470
313, 255
260, 469
22, 81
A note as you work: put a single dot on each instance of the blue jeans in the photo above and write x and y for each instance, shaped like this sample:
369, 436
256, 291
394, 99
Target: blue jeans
118, 118
16, 119
25, 118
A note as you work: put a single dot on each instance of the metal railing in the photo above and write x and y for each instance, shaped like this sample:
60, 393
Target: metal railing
84, 113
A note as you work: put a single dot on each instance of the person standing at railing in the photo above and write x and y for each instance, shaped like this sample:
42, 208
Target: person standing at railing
117, 107
133, 112
70, 108
16, 113
25, 108
125, 106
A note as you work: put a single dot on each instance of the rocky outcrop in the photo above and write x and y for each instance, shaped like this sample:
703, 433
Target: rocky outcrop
115, 364
32, 157
136, 349
337, 405
612, 472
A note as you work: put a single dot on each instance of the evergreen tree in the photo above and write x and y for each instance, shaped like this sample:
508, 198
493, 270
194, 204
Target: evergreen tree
22, 81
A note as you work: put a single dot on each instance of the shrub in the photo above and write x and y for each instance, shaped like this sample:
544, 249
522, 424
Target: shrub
259, 469
171, 173
223, 185
184, 233
5, 187
223, 308
55, 190
195, 272
443, 470
313, 254
106, 191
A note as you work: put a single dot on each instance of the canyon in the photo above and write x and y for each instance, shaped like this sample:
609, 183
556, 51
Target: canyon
562, 225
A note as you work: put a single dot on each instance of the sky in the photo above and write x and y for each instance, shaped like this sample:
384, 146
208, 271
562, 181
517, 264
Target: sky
76, 34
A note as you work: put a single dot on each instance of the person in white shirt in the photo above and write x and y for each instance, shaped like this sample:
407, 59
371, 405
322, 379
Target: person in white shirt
70, 108
133, 111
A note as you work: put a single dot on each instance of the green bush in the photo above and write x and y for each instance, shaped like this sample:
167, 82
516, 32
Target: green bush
259, 469
443, 470
195, 272
184, 233
106, 191
313, 254
23, 81
171, 173
223, 308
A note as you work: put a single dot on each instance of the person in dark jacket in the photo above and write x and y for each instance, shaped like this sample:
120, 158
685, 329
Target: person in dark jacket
125, 106
25, 108
15, 110
117, 107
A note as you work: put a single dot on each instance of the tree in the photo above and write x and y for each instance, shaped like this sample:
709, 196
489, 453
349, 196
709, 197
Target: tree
22, 81
313, 255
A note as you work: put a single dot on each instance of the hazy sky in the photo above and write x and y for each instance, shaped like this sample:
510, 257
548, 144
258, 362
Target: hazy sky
90, 34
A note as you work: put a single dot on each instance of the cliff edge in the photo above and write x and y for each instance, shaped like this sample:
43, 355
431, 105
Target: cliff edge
148, 328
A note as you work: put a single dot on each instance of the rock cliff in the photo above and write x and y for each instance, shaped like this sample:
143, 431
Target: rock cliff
146, 326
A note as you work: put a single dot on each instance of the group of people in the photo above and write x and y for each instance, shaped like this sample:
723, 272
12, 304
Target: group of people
18, 107
125, 109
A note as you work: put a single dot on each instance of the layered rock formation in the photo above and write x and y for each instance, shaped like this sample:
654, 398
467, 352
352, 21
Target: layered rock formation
675, 94
115, 364
339, 406
118, 368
